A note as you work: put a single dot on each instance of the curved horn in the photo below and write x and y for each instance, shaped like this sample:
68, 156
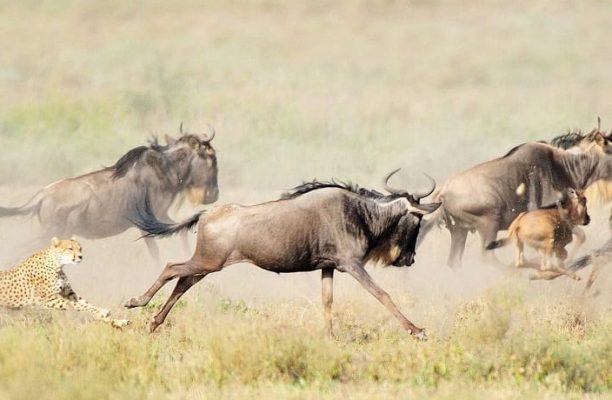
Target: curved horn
389, 188
181, 128
206, 138
419, 195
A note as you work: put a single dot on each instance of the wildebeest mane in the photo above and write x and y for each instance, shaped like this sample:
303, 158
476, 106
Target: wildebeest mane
129, 159
315, 185
568, 139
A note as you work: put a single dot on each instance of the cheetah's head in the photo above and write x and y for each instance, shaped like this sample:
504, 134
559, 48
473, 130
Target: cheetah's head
68, 251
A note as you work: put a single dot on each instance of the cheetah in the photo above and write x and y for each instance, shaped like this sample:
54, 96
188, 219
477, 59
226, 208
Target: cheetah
41, 281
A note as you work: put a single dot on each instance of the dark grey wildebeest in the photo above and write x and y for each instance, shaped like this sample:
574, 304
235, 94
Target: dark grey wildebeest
101, 203
316, 226
489, 196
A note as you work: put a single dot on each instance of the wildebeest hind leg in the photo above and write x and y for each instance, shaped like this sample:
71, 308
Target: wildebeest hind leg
183, 284
327, 295
152, 247
366, 281
185, 241
458, 237
171, 271
594, 273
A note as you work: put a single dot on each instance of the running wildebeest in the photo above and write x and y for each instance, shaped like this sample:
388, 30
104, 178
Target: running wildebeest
101, 203
548, 229
326, 226
489, 196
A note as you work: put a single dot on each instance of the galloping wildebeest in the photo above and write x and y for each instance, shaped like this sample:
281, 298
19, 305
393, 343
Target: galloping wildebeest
326, 226
489, 196
101, 203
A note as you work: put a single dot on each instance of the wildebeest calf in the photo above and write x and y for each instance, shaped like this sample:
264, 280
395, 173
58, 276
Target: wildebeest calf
548, 230
326, 226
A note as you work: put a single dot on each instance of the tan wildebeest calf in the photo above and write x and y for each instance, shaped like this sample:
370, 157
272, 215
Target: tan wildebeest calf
549, 230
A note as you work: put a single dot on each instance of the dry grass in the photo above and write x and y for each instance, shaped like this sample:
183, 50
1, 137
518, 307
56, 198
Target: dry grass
498, 343
298, 90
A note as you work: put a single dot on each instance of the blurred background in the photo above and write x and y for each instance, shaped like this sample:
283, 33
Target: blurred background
296, 91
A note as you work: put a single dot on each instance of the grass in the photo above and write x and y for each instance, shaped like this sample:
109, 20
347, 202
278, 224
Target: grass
498, 343
298, 90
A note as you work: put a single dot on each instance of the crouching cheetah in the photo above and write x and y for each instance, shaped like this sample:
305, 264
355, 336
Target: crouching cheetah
41, 281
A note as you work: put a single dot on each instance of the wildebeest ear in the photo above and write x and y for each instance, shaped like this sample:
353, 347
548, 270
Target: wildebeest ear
169, 139
55, 241
423, 209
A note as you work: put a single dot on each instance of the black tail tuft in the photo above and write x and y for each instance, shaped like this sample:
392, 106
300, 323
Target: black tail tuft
497, 244
146, 221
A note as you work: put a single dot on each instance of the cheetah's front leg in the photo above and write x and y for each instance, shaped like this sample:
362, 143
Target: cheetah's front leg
101, 314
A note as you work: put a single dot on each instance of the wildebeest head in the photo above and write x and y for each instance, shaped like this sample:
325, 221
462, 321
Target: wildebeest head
195, 162
403, 239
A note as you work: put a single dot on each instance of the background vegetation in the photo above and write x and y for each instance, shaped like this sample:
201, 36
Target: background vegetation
297, 90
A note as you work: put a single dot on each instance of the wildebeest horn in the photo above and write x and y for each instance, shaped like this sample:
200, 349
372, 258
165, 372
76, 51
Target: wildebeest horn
598, 123
181, 128
206, 138
389, 188
419, 195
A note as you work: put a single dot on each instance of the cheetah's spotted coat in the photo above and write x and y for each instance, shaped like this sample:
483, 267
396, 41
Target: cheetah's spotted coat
41, 281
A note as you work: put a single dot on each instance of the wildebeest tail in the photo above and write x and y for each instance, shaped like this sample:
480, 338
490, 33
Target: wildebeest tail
146, 221
497, 244
580, 263
32, 206
601, 255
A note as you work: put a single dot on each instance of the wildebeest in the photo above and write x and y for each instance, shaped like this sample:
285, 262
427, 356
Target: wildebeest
486, 198
327, 226
101, 203
548, 229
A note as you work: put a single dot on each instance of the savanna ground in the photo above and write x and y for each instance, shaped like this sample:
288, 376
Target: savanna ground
298, 90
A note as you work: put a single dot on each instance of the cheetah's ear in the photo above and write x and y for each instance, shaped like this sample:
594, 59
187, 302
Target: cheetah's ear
55, 241
73, 238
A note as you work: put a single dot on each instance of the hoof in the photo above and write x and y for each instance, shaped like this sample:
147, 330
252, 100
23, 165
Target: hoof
132, 303
120, 323
153, 325
422, 335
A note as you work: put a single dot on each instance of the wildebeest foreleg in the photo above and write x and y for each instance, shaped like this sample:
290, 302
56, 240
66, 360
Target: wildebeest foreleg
172, 270
359, 273
327, 283
183, 284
